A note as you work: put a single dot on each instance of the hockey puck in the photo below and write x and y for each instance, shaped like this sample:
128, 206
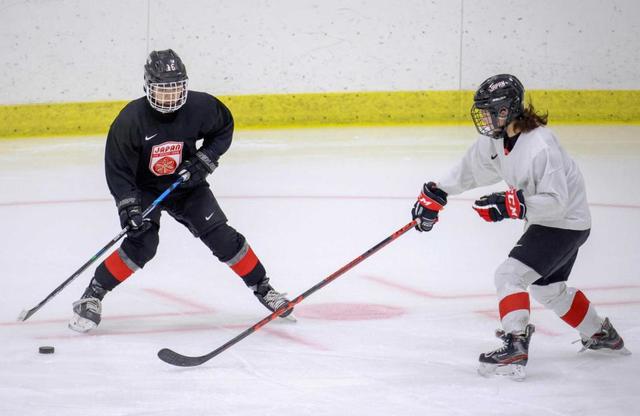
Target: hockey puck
46, 350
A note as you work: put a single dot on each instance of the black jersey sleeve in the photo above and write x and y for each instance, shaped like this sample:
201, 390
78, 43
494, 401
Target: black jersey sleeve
121, 160
218, 130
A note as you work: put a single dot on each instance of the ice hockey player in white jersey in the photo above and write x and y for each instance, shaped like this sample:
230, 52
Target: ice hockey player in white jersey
546, 189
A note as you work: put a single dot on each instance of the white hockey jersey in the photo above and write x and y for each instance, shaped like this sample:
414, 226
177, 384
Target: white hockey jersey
550, 180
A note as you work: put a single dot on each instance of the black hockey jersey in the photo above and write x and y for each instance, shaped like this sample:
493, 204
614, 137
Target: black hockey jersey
145, 148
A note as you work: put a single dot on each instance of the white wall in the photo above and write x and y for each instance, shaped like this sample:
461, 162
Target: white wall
90, 50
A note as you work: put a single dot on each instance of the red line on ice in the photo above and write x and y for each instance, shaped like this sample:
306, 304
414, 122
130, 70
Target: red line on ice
431, 295
179, 300
110, 317
281, 334
195, 328
424, 293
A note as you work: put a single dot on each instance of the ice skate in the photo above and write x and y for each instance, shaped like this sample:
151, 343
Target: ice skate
271, 298
87, 312
510, 359
607, 339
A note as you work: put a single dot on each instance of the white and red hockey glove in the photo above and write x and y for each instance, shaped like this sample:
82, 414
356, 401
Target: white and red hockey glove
430, 201
500, 205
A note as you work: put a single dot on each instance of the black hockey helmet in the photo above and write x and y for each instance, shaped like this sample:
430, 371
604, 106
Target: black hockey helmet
165, 81
497, 102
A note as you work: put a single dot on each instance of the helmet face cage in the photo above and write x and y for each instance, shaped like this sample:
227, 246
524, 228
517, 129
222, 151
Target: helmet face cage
165, 81
167, 97
490, 122
498, 101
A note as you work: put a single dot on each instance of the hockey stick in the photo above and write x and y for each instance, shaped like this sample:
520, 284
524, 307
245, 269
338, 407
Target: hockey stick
25, 314
174, 358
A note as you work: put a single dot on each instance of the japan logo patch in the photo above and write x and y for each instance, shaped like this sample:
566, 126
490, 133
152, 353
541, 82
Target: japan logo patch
165, 158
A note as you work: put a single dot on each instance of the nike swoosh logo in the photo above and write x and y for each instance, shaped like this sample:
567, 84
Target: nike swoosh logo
494, 156
208, 217
147, 138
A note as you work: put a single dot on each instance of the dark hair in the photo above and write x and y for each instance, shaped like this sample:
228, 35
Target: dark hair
530, 119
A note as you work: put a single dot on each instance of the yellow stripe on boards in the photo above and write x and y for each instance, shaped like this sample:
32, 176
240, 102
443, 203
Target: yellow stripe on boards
589, 106
65, 119
366, 108
331, 109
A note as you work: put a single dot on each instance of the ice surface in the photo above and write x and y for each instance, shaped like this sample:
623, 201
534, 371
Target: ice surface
399, 334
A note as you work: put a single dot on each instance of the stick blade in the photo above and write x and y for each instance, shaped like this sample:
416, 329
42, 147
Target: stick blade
174, 358
24, 315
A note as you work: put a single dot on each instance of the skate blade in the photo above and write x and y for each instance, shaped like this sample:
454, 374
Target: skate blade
289, 318
512, 371
623, 351
608, 351
80, 324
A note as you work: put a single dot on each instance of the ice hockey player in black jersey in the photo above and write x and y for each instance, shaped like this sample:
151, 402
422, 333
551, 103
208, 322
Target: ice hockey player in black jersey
150, 144
547, 191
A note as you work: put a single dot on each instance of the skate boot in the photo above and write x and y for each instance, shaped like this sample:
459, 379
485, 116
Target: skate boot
271, 298
510, 359
606, 339
87, 312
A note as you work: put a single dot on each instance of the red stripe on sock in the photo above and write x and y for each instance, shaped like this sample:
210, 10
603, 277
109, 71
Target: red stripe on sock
246, 264
514, 302
578, 310
117, 267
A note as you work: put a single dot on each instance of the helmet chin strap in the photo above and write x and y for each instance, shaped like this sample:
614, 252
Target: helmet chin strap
500, 131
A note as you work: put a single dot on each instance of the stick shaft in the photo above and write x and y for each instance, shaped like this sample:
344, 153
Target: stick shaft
171, 357
26, 314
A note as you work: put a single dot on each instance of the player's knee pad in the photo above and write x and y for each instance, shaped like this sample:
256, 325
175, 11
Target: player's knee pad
143, 247
548, 295
132, 255
223, 241
513, 276
556, 296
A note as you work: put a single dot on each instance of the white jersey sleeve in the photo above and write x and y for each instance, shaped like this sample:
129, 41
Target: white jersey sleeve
474, 170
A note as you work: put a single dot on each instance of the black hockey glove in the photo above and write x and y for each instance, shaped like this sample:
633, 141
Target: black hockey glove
430, 201
195, 169
500, 205
130, 212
